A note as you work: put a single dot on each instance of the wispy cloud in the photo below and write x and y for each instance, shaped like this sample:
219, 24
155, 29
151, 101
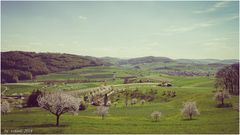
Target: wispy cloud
188, 27
215, 7
191, 27
218, 42
84, 18
225, 19
231, 18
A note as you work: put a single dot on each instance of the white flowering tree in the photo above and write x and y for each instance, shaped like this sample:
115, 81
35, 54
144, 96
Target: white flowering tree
189, 109
221, 96
156, 116
59, 103
5, 107
102, 111
133, 101
142, 101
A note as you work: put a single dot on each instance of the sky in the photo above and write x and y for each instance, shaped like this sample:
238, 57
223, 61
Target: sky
192, 30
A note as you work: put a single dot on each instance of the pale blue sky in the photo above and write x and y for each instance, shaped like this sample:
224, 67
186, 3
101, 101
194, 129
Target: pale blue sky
123, 29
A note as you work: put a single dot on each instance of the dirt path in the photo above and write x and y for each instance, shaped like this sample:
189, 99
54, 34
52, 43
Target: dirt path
133, 84
3, 92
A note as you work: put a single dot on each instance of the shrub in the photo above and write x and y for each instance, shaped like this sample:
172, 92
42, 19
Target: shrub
83, 106
189, 110
133, 101
156, 116
32, 99
142, 101
173, 93
102, 111
5, 107
221, 96
169, 93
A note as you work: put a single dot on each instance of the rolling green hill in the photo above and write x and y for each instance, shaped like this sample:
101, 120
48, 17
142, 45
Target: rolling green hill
18, 65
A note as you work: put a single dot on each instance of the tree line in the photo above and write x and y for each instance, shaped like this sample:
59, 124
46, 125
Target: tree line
227, 79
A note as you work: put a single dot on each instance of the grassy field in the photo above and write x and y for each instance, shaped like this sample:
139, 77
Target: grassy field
134, 118
101, 72
112, 75
176, 66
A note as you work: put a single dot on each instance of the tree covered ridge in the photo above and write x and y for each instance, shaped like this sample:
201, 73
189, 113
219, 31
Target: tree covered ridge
19, 65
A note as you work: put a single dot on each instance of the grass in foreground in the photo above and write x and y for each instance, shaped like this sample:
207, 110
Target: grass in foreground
134, 119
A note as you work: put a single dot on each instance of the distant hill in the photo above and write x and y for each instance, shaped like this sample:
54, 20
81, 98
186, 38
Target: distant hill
110, 60
207, 61
230, 61
18, 65
143, 60
176, 66
153, 59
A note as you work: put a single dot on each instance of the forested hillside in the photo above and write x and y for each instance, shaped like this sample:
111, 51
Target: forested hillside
18, 65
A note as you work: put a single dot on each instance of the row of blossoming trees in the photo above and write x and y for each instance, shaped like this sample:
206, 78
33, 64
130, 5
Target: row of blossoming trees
59, 103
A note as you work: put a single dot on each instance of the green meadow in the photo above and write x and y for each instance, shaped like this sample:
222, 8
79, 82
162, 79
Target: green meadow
133, 118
